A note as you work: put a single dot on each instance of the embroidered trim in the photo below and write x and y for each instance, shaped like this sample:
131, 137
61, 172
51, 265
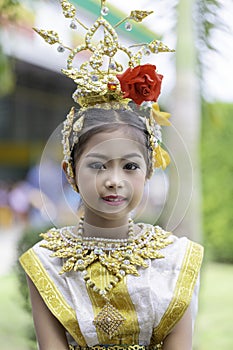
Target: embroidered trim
121, 300
117, 263
182, 294
117, 347
51, 295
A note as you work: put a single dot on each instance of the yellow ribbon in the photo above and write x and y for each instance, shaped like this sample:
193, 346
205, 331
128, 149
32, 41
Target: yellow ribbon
161, 158
161, 118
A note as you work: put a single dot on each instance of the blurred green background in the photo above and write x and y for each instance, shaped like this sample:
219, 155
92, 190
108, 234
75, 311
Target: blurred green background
35, 97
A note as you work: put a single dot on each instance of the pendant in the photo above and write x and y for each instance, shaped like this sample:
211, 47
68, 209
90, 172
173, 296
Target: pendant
109, 320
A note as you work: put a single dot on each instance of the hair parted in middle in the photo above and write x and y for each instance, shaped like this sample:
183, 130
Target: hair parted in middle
97, 120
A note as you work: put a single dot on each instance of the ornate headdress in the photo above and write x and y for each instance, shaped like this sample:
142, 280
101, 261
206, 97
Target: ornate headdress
101, 83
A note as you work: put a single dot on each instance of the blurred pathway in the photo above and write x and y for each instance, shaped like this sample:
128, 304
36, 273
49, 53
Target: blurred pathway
8, 247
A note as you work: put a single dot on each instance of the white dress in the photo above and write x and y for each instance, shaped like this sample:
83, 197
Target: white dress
151, 303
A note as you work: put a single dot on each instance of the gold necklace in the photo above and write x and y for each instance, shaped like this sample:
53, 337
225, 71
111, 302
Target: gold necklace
119, 256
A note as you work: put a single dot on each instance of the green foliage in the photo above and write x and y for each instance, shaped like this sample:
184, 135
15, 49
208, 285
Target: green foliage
15, 322
8, 10
11, 11
28, 239
217, 170
7, 79
8, 7
213, 329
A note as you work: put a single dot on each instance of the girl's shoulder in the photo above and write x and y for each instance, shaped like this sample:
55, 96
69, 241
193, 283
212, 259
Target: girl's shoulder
175, 250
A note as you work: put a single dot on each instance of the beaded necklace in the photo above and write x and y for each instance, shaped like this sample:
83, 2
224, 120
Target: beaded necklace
119, 257
98, 244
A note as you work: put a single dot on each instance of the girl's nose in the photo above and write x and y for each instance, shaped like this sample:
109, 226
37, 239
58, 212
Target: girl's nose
113, 184
113, 181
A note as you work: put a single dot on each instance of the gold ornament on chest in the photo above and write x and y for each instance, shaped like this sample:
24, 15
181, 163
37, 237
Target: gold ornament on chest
109, 320
118, 258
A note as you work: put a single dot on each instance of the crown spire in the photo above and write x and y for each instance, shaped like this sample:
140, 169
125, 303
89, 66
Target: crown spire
96, 78
103, 82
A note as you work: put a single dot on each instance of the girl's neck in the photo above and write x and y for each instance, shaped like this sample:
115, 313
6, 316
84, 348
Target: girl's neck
120, 232
98, 226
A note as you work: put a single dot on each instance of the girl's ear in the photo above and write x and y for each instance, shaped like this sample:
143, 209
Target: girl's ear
69, 174
64, 166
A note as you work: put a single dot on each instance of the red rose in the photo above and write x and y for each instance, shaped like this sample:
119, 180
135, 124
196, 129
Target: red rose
141, 83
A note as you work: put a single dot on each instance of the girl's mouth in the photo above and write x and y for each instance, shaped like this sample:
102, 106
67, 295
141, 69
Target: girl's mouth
114, 200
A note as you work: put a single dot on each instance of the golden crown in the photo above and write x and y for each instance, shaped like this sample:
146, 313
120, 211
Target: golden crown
96, 78
101, 83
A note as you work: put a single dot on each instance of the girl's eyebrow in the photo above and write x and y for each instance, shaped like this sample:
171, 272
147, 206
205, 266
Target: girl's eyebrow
132, 155
102, 156
96, 155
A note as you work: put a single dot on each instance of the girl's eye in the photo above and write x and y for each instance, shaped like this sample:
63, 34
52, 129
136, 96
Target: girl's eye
97, 166
131, 166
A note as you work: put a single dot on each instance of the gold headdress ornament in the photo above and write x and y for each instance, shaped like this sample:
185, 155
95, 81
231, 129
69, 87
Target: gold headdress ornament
99, 80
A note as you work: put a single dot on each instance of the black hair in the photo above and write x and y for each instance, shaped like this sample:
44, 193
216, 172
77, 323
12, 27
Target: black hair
98, 120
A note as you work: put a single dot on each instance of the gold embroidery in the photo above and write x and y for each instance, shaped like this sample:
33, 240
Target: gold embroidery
109, 320
121, 300
117, 347
51, 295
117, 262
117, 265
183, 292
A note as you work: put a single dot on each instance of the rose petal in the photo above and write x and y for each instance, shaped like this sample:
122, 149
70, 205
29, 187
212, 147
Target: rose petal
145, 90
149, 79
148, 68
141, 83
138, 79
129, 74
160, 76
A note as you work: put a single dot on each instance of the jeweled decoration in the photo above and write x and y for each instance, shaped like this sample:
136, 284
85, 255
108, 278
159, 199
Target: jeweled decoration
88, 90
109, 320
119, 257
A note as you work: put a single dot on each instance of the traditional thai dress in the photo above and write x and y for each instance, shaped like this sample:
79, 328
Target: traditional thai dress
159, 280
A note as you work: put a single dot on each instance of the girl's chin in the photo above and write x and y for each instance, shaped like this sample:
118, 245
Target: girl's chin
113, 213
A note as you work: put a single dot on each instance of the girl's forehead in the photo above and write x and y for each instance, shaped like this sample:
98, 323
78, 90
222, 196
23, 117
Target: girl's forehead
114, 144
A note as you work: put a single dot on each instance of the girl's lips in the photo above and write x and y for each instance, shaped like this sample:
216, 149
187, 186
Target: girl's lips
114, 200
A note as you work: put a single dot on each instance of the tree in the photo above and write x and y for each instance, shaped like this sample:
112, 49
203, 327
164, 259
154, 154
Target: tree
194, 29
7, 12
10, 12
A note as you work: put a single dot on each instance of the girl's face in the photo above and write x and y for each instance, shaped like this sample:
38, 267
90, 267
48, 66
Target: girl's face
110, 175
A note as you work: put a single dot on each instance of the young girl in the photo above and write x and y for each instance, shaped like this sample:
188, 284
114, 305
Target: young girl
122, 283
110, 283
